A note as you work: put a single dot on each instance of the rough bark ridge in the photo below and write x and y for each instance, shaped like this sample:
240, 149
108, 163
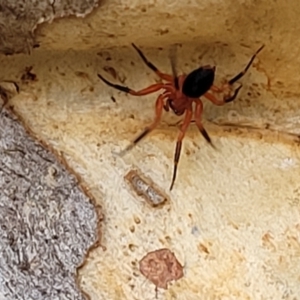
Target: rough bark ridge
18, 19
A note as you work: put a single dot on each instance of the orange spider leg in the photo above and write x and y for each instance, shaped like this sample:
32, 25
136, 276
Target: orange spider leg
159, 105
168, 96
186, 122
198, 114
230, 83
163, 76
241, 74
216, 89
151, 89
213, 99
225, 100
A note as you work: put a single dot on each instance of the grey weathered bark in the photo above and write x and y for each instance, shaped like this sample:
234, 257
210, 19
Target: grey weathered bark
44, 233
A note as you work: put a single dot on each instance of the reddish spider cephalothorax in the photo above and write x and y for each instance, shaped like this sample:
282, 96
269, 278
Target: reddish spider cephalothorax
179, 93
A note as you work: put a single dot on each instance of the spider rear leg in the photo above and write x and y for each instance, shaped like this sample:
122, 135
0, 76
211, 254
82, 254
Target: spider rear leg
151, 89
198, 114
163, 76
158, 113
183, 129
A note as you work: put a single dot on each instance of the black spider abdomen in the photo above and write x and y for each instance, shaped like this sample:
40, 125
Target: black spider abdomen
198, 82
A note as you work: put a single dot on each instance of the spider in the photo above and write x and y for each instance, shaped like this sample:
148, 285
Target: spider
179, 93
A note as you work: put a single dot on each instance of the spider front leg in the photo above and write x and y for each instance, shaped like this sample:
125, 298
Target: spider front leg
228, 85
225, 99
158, 113
186, 122
241, 74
